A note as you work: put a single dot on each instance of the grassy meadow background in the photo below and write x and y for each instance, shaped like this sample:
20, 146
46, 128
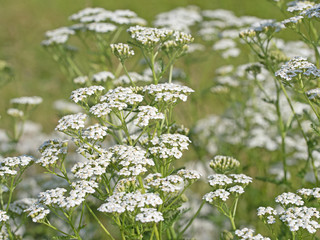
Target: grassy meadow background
22, 28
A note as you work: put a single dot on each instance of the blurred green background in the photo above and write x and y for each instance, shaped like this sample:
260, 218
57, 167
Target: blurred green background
22, 28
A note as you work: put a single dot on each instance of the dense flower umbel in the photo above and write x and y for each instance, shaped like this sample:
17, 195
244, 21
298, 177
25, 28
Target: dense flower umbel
298, 67
3, 216
247, 233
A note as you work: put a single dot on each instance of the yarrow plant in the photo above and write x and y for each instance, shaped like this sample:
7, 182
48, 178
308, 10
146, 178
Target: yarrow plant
116, 164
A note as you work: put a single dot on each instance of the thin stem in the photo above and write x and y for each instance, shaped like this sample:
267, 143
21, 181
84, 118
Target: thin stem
191, 220
97, 219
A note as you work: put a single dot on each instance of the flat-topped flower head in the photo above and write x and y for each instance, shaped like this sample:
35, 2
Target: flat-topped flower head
52, 196
3, 216
149, 215
122, 95
267, 27
16, 113
149, 37
147, 114
122, 51
298, 67
247, 233
289, 199
298, 218
241, 179
171, 184
37, 212
95, 132
313, 94
312, 12
268, 214
224, 164
92, 168
81, 80
217, 195
121, 202
292, 22
102, 76
219, 180
71, 123
100, 27
82, 94
131, 161
168, 92
169, 145
189, 175
14, 162
299, 6
51, 151
35, 100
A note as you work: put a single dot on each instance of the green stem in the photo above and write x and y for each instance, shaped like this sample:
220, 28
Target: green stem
191, 220
97, 219
170, 73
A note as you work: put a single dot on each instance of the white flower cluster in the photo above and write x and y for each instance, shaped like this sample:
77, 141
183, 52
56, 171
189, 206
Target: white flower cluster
149, 215
121, 202
102, 76
37, 211
122, 95
8, 165
152, 37
115, 100
131, 161
298, 6
298, 67
135, 77
146, 114
122, 51
189, 175
169, 145
57, 36
297, 218
80, 80
95, 132
35, 100
14, 162
93, 167
14, 112
180, 19
247, 233
3, 216
211, 197
100, 27
170, 184
267, 213
71, 122
290, 199
224, 185
306, 192
313, 94
82, 94
55, 197
99, 15
314, 11
264, 26
168, 92
52, 196
51, 151
219, 180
